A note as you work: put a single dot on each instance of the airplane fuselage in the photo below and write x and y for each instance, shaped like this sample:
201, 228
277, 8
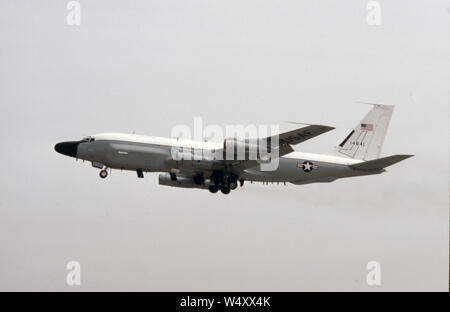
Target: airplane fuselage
155, 154
221, 166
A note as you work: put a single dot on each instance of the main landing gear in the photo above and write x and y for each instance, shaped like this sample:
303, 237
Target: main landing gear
225, 190
223, 183
213, 188
232, 182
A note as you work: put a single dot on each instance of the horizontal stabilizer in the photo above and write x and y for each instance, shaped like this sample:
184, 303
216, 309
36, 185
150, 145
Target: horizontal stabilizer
380, 163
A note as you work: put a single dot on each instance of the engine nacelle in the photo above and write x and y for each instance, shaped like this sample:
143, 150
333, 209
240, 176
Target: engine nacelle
181, 181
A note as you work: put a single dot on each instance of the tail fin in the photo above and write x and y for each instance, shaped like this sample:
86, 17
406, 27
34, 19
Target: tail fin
366, 140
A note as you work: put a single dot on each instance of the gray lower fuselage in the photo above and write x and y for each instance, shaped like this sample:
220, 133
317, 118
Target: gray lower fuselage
146, 157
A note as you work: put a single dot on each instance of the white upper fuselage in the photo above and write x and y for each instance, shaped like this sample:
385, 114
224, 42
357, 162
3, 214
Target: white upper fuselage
170, 142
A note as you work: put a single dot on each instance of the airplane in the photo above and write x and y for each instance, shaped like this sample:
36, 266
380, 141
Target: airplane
357, 155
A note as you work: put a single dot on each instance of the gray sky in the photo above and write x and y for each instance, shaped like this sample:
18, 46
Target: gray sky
146, 66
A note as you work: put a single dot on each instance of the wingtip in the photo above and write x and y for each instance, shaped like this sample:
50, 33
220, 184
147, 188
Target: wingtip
329, 128
308, 124
375, 104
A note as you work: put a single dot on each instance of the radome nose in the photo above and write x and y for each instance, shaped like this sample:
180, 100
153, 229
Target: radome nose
67, 148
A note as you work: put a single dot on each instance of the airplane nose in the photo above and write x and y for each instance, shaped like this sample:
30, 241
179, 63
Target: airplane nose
67, 148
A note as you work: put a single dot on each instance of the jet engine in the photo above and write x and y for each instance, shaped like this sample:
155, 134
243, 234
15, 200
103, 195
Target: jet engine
181, 181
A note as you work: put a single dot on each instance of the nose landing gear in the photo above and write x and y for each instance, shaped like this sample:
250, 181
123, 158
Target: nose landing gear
103, 174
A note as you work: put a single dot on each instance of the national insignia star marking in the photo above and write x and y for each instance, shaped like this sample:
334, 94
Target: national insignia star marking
307, 166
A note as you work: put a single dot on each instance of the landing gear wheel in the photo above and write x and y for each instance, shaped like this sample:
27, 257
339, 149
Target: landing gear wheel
232, 183
225, 190
103, 174
213, 188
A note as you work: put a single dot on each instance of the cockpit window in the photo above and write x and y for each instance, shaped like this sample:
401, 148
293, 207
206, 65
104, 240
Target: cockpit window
87, 139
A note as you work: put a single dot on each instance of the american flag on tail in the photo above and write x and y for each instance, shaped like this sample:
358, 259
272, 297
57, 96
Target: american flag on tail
367, 127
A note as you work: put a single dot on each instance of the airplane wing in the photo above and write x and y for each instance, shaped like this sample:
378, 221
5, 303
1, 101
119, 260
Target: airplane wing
302, 134
285, 140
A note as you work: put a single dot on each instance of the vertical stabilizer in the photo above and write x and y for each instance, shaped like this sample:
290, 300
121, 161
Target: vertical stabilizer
366, 139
